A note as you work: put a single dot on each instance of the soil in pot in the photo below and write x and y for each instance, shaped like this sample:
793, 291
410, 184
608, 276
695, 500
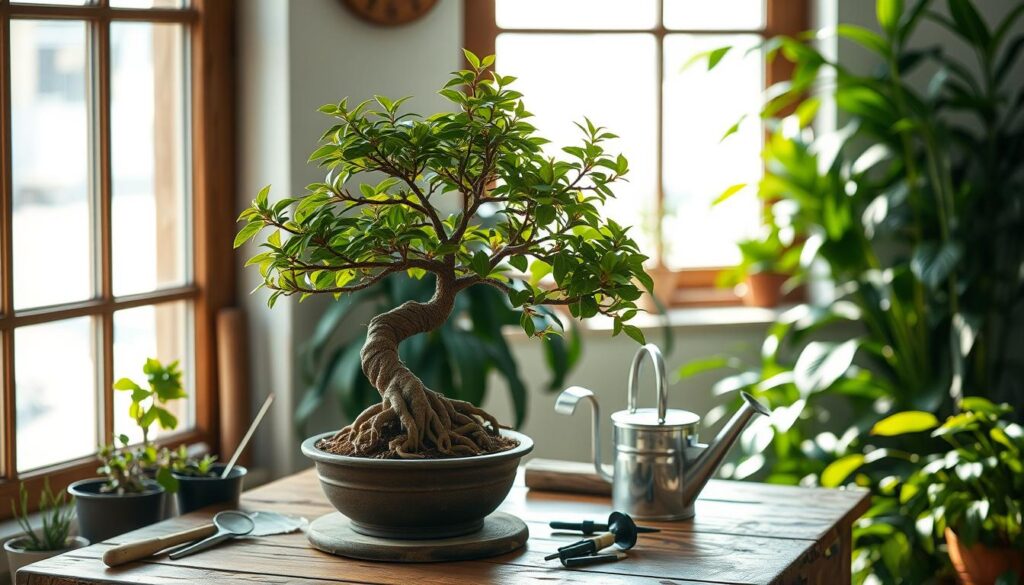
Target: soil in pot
18, 557
102, 516
195, 492
980, 564
417, 498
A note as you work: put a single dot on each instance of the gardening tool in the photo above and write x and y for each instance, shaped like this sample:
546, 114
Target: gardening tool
659, 466
593, 559
266, 523
588, 527
621, 533
248, 435
229, 524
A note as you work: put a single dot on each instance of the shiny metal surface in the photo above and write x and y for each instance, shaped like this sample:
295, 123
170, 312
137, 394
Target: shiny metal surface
659, 467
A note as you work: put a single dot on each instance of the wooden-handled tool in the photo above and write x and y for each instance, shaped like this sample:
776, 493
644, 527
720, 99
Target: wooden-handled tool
133, 551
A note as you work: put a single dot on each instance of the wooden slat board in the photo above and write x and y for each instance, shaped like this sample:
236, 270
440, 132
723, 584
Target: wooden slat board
743, 533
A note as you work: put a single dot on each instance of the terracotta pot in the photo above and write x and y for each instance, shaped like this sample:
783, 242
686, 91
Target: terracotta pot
981, 564
18, 557
417, 498
664, 289
764, 289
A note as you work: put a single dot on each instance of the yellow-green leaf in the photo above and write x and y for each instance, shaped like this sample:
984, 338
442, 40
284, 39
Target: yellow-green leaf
837, 472
729, 192
911, 421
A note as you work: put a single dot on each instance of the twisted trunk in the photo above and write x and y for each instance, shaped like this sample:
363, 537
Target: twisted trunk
411, 420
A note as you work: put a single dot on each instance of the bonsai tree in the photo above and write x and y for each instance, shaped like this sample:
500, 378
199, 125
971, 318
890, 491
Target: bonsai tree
549, 245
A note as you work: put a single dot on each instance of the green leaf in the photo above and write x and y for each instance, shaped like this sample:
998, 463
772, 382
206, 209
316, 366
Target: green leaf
538, 270
480, 263
251, 229
635, 333
970, 23
716, 55
866, 38
167, 420
126, 384
733, 129
933, 263
729, 192
836, 473
888, 13
518, 262
911, 421
166, 479
822, 363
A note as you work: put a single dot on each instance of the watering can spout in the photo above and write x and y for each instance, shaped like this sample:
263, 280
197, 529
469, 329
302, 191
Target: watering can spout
707, 458
566, 404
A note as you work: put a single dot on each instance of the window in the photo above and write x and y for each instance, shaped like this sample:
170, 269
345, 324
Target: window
114, 118
624, 64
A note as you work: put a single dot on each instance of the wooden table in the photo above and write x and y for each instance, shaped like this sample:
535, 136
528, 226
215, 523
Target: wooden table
743, 533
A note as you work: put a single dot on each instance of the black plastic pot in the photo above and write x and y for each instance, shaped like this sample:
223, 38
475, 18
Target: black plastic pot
198, 492
102, 516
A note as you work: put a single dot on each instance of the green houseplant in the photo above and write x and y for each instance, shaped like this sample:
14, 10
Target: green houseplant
912, 208
967, 492
54, 536
766, 264
131, 492
549, 246
200, 483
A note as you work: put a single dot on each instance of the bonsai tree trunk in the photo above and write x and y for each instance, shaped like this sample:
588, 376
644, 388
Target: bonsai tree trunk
411, 420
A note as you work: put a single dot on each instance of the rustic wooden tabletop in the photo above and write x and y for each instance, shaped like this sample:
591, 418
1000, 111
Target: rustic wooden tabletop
742, 533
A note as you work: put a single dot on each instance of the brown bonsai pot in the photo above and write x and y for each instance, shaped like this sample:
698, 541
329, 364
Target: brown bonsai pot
764, 289
980, 564
417, 498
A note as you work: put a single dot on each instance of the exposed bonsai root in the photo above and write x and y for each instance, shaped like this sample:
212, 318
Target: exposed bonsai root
412, 421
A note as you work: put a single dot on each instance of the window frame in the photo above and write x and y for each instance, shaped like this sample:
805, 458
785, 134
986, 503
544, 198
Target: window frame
691, 287
211, 105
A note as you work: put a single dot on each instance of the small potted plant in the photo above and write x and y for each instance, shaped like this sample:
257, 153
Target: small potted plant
200, 483
131, 493
54, 537
766, 264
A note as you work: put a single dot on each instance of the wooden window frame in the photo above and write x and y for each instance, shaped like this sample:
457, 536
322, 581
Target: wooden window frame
692, 287
210, 25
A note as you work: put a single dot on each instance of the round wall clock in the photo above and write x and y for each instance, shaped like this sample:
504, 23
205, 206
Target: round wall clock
389, 12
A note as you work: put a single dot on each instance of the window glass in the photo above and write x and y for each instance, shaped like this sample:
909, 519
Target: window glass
52, 214
718, 15
615, 86
154, 331
699, 107
55, 390
576, 14
148, 154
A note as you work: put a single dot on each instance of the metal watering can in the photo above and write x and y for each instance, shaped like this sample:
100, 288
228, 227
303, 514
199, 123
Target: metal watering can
659, 466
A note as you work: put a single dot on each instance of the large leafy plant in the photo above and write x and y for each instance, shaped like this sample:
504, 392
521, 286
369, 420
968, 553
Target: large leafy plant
914, 209
549, 245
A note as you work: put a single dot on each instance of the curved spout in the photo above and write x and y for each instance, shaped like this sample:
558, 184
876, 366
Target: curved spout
566, 404
700, 470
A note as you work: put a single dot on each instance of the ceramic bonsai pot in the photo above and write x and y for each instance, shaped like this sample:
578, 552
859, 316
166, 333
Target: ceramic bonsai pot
102, 516
196, 492
417, 498
980, 564
18, 557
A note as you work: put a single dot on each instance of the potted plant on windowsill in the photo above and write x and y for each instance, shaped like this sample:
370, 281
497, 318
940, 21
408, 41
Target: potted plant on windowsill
54, 537
131, 493
200, 483
767, 264
419, 463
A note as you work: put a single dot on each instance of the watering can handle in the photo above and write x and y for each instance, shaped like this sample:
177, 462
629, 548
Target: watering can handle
566, 404
659, 379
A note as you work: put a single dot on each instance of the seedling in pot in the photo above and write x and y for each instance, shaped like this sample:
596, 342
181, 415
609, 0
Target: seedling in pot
57, 512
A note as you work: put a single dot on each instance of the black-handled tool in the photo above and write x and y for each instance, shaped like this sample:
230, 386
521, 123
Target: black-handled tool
588, 527
593, 559
621, 532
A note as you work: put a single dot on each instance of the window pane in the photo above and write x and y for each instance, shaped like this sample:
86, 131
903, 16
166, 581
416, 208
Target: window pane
158, 331
717, 15
50, 153
608, 14
55, 392
148, 156
145, 3
700, 106
55, 2
622, 100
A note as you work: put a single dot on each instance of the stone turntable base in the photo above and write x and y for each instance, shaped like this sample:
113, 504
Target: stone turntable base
501, 533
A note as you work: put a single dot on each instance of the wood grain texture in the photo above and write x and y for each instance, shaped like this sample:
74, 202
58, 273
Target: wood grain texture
742, 534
